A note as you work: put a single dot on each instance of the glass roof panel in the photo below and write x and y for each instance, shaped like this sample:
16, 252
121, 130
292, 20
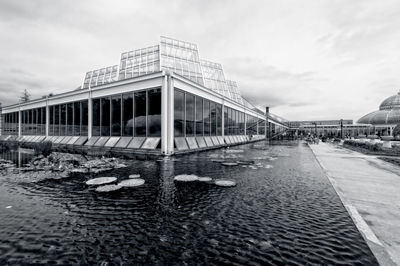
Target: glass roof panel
178, 56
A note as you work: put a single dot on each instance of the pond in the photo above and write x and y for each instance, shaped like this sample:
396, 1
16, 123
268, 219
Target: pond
283, 210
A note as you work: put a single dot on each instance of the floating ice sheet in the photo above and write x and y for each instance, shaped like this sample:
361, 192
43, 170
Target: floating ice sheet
131, 182
101, 180
225, 183
186, 178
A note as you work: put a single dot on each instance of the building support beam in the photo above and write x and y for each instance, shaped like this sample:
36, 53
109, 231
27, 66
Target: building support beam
164, 116
90, 113
266, 122
223, 118
19, 122
170, 114
47, 117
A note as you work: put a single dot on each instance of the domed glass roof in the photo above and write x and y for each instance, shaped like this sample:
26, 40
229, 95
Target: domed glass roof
388, 113
391, 102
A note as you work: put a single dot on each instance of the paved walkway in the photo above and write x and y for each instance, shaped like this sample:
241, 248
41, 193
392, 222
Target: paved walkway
370, 190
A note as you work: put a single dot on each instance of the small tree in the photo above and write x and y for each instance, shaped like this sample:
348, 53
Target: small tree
25, 97
396, 131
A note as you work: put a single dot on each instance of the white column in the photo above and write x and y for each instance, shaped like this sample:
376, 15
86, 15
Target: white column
170, 118
19, 123
223, 118
47, 117
245, 123
90, 113
164, 116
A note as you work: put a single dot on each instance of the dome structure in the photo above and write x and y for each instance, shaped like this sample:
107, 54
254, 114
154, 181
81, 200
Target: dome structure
388, 113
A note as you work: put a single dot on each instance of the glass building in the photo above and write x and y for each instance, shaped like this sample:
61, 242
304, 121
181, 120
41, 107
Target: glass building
162, 98
384, 120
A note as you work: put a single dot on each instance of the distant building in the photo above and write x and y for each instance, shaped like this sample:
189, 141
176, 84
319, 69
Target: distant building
161, 98
386, 118
333, 128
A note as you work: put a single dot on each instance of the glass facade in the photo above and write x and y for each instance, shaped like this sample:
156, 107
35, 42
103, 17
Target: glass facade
127, 114
135, 114
195, 116
154, 113
251, 125
234, 122
69, 119
10, 124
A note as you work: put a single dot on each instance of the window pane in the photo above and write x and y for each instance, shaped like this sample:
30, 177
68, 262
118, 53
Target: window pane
206, 118
226, 121
70, 118
213, 119
63, 119
56, 120
178, 113
140, 114
154, 113
219, 119
189, 115
77, 119
127, 112
199, 116
105, 116
96, 117
84, 118
116, 115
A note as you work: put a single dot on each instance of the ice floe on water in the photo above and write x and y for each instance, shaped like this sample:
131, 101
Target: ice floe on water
245, 162
229, 164
225, 183
134, 176
108, 188
131, 182
101, 180
186, 178
205, 179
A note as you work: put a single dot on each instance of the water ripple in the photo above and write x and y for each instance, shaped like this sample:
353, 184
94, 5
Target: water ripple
286, 214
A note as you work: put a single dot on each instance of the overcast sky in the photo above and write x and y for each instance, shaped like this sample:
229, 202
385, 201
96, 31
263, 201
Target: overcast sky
305, 59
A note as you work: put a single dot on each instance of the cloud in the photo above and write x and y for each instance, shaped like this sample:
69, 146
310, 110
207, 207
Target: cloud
304, 59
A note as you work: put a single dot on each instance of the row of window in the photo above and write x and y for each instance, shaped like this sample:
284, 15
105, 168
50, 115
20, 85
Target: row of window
10, 124
135, 114
195, 116
70, 119
33, 121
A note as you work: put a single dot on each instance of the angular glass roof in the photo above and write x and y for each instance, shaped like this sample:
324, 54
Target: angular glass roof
214, 77
177, 56
100, 76
181, 58
139, 62
234, 91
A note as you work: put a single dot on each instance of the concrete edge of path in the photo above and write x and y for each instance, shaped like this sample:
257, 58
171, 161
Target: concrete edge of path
370, 238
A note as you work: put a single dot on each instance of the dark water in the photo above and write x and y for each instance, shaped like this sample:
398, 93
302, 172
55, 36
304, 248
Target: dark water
283, 212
